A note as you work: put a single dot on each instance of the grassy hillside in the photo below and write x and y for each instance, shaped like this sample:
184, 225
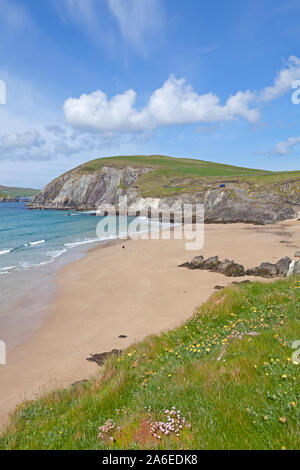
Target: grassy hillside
183, 175
16, 192
228, 371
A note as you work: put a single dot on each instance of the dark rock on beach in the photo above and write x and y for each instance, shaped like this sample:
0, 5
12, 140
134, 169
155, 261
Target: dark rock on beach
294, 268
246, 281
79, 382
232, 269
212, 263
283, 265
100, 358
269, 270
227, 267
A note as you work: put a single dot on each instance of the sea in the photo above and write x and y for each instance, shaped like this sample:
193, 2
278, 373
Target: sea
34, 245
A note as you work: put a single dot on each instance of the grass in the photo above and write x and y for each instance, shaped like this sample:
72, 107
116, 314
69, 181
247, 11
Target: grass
17, 192
185, 175
248, 399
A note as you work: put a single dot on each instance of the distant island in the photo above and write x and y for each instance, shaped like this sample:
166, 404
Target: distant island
12, 194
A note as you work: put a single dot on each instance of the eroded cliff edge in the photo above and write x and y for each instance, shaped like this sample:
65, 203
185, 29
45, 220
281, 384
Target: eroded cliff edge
235, 200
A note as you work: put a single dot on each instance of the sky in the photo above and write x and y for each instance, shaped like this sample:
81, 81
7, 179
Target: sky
83, 79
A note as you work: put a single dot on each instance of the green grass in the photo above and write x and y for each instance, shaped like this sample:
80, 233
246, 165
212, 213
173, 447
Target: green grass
171, 175
17, 192
249, 399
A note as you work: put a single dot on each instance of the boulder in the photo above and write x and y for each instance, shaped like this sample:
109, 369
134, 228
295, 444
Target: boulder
231, 269
212, 263
267, 270
196, 263
100, 358
297, 254
283, 266
246, 281
294, 268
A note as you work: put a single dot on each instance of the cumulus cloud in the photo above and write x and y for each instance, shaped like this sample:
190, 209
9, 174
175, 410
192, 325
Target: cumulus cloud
283, 80
174, 103
21, 140
61, 142
55, 129
286, 147
27, 145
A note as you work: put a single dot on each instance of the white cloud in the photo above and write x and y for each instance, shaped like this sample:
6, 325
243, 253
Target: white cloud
137, 18
28, 145
283, 80
55, 129
174, 103
21, 140
177, 103
33, 145
286, 147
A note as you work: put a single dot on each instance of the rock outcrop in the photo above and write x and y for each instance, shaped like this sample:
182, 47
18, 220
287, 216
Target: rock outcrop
84, 191
294, 268
232, 269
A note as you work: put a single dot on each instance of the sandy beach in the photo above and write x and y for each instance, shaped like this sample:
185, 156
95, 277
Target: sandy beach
136, 291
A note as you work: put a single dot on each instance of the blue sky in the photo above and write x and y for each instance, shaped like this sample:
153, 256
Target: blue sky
91, 78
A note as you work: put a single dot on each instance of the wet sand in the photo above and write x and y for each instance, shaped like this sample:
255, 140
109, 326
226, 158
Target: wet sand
136, 291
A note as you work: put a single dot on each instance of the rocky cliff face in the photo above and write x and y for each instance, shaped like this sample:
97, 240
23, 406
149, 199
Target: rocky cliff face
82, 191
78, 190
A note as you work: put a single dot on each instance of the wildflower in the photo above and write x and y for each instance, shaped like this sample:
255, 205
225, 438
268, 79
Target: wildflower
282, 419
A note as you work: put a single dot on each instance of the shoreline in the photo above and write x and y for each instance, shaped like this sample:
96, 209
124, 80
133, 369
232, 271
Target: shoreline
135, 292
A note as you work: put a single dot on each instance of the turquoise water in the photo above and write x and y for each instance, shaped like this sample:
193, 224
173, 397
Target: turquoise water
34, 244
35, 238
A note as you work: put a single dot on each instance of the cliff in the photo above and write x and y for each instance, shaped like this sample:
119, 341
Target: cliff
229, 194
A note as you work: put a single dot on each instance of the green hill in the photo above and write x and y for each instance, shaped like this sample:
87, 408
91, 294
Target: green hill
17, 192
185, 175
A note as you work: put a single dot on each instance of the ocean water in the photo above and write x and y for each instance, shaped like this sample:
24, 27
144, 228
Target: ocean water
34, 244
35, 238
